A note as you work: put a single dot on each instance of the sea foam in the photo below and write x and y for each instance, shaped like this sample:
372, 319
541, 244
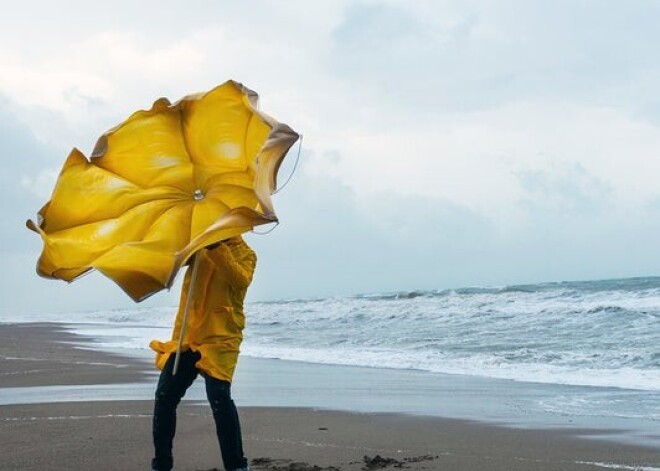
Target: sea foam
596, 333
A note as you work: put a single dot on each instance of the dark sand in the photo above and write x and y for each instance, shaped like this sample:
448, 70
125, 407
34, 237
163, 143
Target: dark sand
108, 436
46, 354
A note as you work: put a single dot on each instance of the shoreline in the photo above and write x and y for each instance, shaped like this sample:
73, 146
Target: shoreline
47, 353
104, 435
287, 383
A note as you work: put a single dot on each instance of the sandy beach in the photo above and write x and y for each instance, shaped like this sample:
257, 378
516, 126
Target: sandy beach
115, 435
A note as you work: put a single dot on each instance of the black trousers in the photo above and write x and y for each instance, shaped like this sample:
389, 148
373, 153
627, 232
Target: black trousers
169, 393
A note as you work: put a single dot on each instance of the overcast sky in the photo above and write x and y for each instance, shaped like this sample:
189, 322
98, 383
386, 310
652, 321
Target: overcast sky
446, 143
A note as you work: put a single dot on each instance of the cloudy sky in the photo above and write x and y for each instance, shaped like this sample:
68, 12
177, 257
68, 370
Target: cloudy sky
446, 143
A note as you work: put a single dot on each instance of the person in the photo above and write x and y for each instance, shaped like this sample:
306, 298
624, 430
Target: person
210, 347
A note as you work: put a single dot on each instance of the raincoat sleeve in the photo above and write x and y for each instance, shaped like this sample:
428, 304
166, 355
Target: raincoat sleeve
237, 265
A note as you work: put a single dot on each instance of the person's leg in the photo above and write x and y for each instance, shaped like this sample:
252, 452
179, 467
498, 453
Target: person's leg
169, 392
227, 424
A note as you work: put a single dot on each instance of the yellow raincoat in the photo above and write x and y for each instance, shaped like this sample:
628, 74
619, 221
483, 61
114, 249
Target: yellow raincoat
216, 318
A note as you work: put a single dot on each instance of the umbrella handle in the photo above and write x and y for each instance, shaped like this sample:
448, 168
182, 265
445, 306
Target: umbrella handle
193, 279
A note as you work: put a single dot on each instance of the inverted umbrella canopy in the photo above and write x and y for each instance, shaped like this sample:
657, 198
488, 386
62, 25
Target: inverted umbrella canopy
162, 185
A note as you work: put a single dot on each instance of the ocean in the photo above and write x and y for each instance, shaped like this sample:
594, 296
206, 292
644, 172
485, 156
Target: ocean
591, 333
602, 334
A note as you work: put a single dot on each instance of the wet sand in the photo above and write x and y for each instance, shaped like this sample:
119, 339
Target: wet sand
109, 436
46, 354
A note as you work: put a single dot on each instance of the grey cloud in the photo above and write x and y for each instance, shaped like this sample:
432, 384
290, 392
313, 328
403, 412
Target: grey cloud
565, 188
21, 155
332, 242
578, 51
377, 26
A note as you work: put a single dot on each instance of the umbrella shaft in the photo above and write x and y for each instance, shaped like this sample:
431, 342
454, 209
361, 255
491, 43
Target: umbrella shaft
184, 322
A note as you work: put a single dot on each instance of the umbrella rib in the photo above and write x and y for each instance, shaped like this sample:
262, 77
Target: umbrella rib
96, 221
219, 201
185, 139
163, 213
92, 161
245, 136
234, 185
138, 185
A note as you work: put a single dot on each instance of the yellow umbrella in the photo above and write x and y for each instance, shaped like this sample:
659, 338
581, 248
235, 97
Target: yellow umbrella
162, 185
